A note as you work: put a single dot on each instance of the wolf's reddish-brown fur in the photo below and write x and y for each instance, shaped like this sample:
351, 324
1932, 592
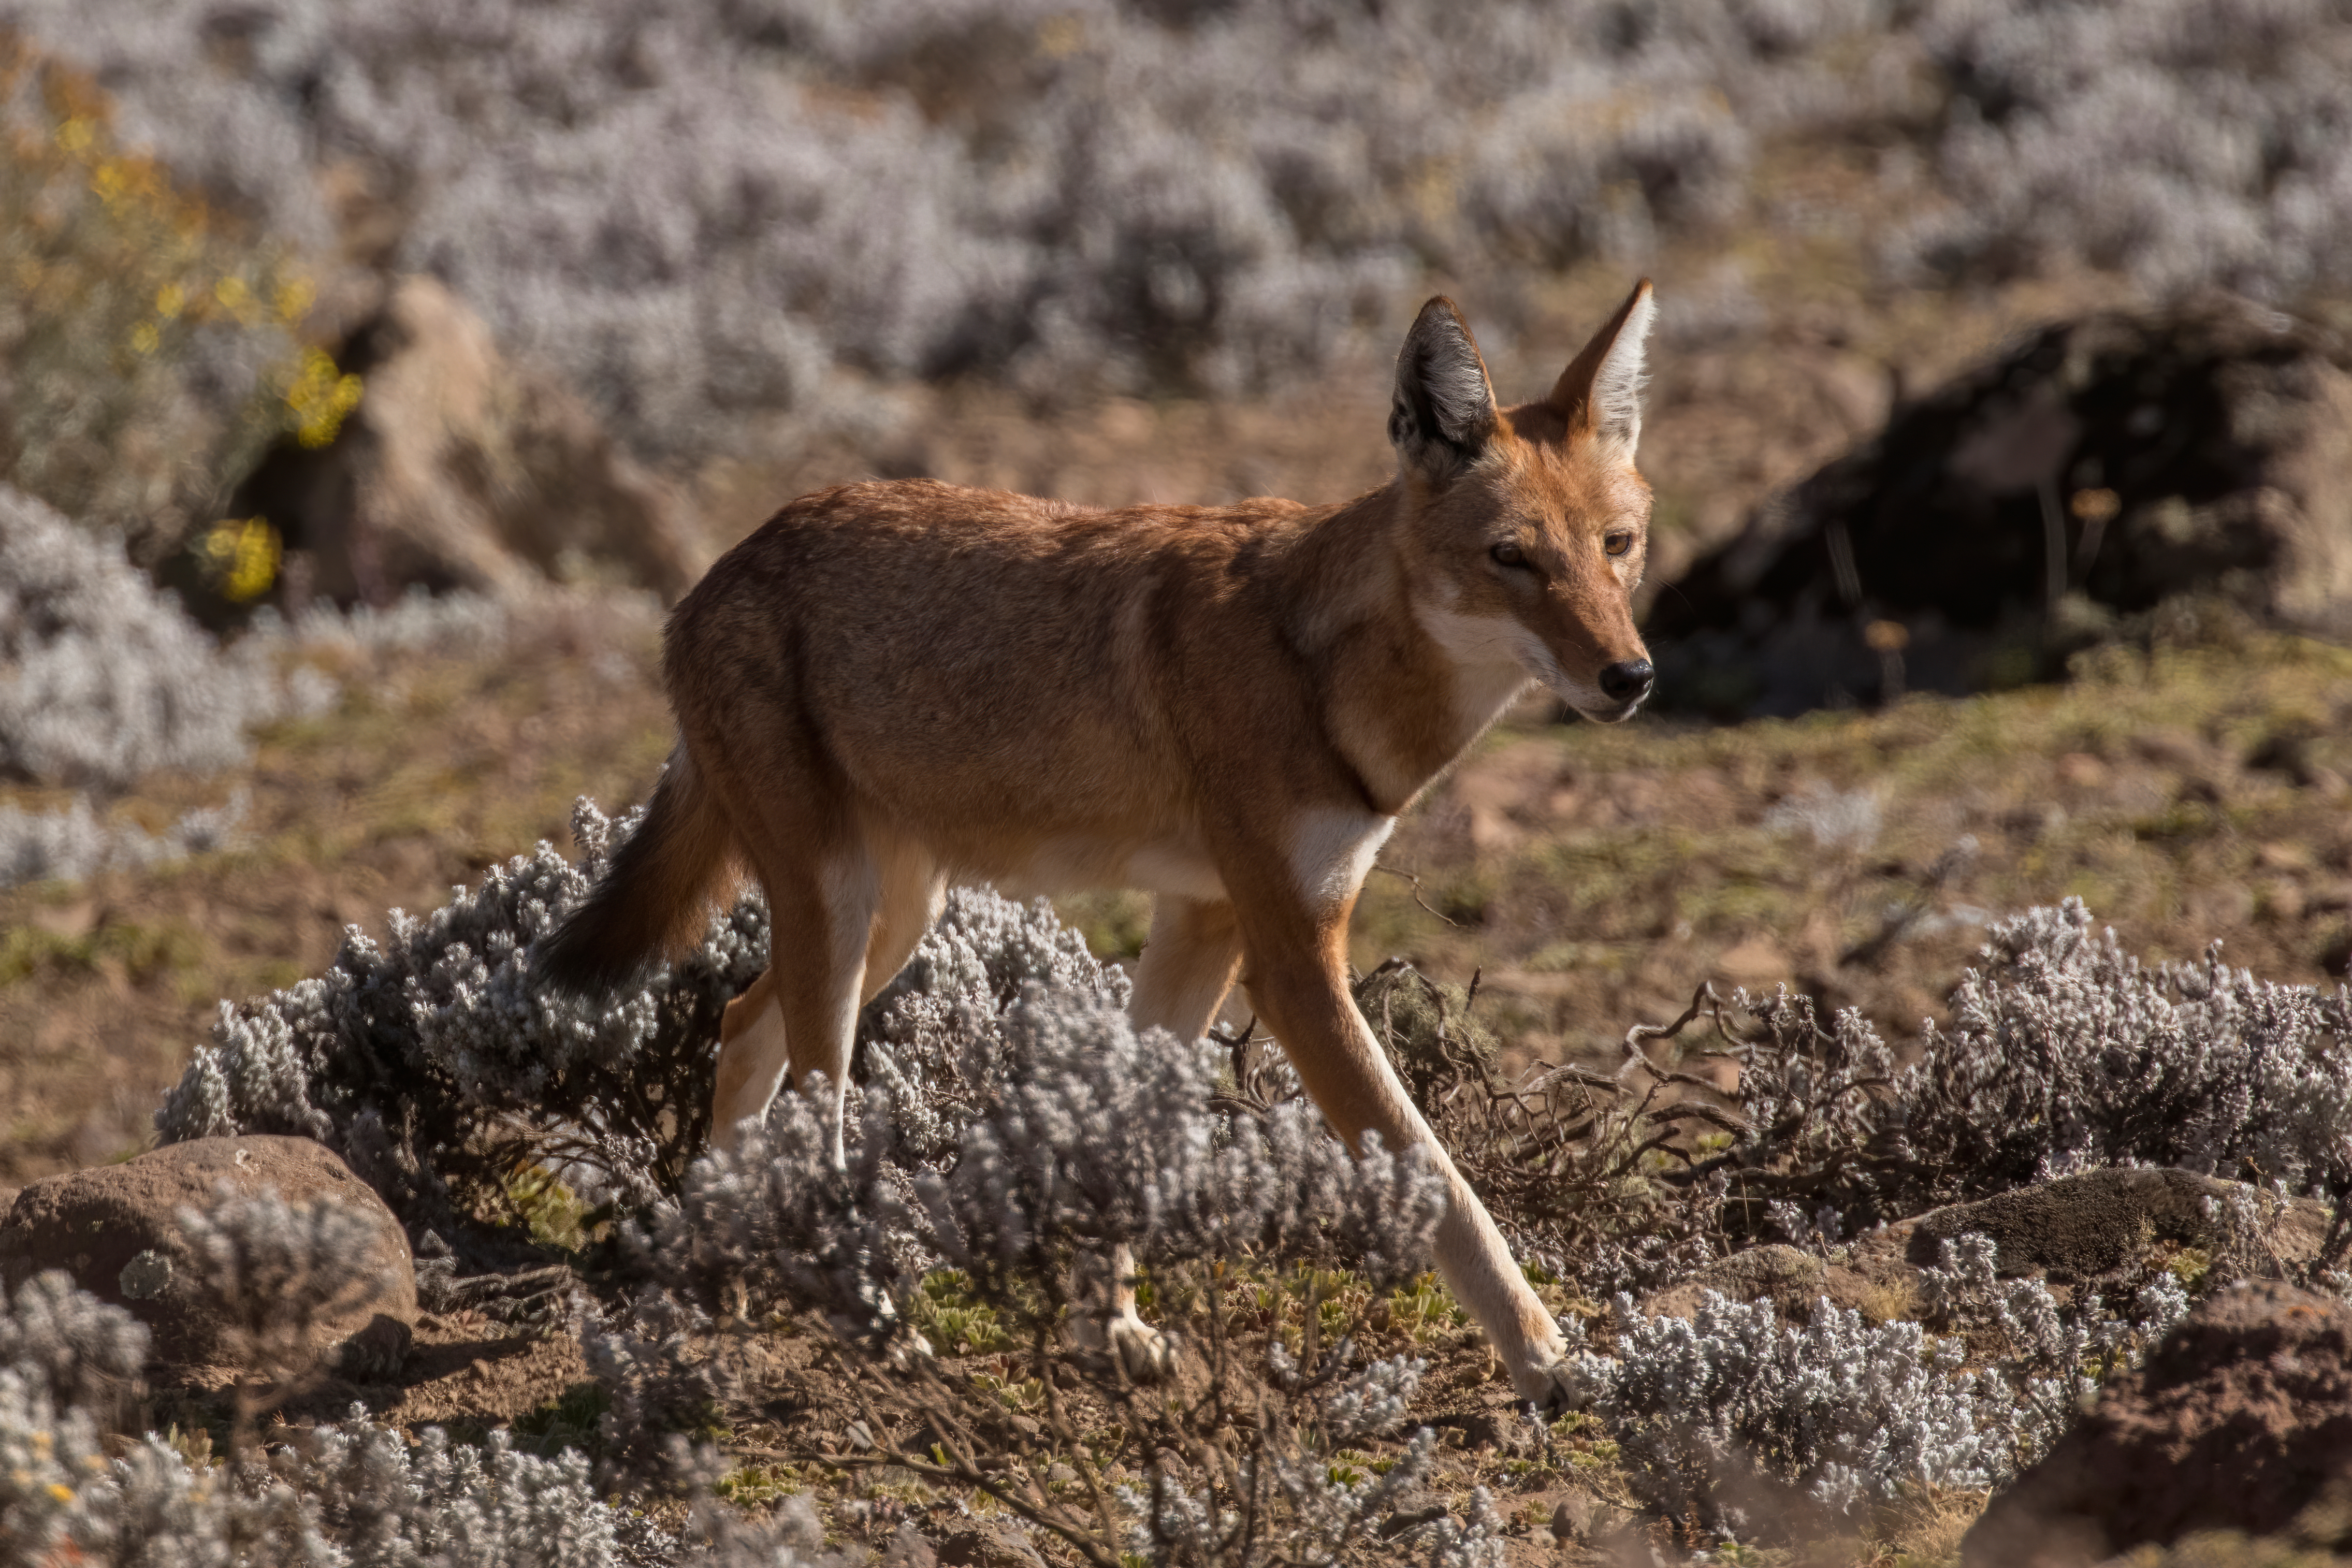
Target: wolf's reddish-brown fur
895, 686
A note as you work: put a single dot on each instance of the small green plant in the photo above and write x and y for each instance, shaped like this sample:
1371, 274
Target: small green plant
761, 1485
1024, 1395
2192, 1266
558, 1216
568, 1421
1596, 1456
945, 1313
1423, 1309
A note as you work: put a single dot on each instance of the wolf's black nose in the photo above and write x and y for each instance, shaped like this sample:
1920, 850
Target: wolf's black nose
1628, 681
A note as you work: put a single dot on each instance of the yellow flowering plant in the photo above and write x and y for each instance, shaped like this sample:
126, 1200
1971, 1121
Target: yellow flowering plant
149, 350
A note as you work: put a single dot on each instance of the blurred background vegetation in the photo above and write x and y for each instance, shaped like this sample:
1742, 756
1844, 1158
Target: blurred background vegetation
152, 348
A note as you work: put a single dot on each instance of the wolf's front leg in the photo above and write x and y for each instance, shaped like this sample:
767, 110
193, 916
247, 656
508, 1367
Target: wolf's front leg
1296, 978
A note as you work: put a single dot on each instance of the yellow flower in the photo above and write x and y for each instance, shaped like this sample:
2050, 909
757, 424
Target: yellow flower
294, 298
241, 555
61, 1492
75, 134
320, 398
145, 339
170, 300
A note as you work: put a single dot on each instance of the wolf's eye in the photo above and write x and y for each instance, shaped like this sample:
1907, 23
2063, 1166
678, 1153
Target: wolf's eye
1618, 542
1509, 554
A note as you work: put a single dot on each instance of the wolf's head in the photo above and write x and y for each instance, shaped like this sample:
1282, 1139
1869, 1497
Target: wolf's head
1525, 529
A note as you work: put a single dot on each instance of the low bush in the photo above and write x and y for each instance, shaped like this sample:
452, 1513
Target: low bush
74, 842
1749, 1427
432, 1065
1036, 1177
2063, 1053
1090, 1138
103, 678
2188, 142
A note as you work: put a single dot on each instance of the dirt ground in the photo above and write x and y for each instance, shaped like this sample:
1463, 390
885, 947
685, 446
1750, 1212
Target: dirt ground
803, 1413
429, 770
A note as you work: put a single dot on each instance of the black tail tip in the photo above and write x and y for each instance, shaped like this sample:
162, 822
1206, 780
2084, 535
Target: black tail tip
570, 962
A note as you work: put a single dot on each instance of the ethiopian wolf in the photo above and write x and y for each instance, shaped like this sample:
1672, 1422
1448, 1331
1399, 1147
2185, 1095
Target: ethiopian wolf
895, 686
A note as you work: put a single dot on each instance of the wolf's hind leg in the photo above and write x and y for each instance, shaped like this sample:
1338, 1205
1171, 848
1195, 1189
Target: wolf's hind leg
755, 1046
1147, 1353
1188, 966
752, 1053
821, 921
912, 892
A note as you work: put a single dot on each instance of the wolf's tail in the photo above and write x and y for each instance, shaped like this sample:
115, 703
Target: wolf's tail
654, 897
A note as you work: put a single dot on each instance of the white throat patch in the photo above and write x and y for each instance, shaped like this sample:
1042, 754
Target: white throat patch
1494, 659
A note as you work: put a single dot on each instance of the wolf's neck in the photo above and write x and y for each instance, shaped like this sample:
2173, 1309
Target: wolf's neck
1406, 684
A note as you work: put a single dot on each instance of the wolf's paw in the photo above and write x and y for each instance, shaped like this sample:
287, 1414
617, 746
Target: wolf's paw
1569, 1380
1148, 1354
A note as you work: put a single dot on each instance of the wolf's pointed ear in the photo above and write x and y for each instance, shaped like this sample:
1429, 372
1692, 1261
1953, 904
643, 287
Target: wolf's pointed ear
1444, 411
1600, 392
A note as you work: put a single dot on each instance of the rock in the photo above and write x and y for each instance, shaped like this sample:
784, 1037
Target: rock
987, 1545
1572, 1518
2240, 1420
1755, 963
1793, 1280
2069, 1229
2097, 1222
2198, 452
907, 1549
459, 470
115, 1229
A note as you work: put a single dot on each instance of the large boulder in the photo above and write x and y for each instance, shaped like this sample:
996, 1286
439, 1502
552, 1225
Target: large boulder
117, 1230
2198, 452
2240, 1420
1793, 1280
459, 469
2102, 1222
2095, 1226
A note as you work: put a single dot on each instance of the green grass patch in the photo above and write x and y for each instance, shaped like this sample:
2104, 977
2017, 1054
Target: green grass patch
142, 951
571, 1420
